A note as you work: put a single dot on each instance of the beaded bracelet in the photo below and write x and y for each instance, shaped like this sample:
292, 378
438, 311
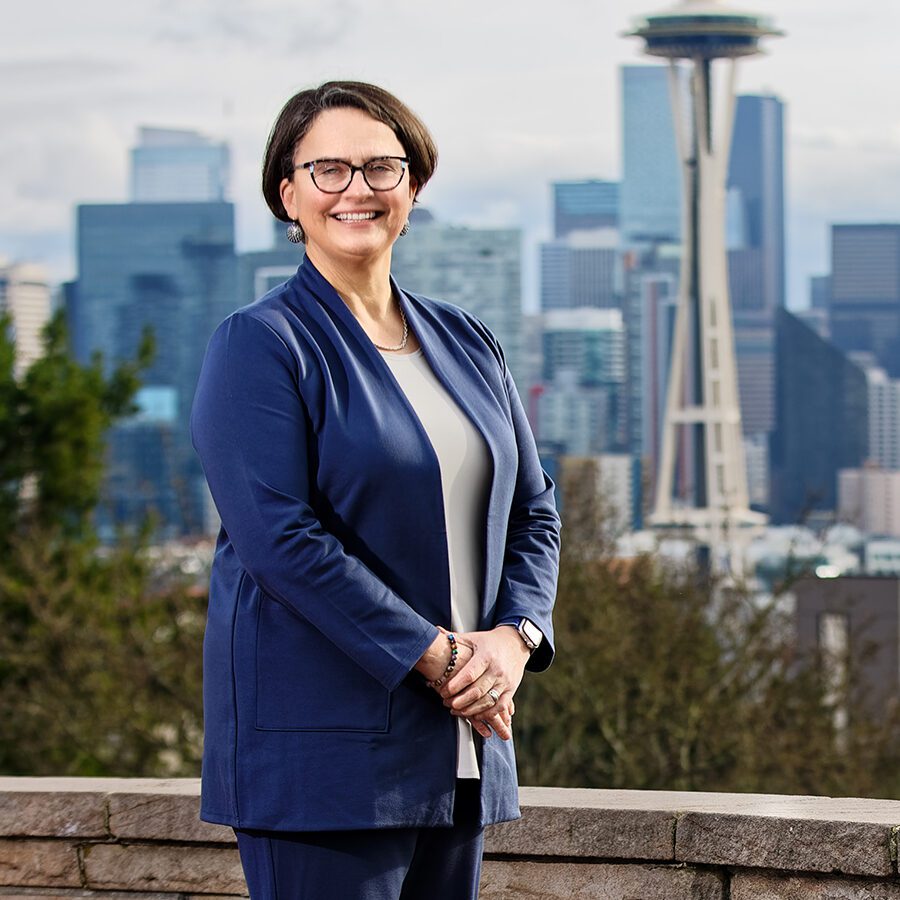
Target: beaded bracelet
454, 652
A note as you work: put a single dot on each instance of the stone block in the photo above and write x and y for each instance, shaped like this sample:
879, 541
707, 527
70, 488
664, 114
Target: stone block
39, 864
149, 867
595, 833
511, 880
768, 842
74, 894
755, 886
162, 817
45, 813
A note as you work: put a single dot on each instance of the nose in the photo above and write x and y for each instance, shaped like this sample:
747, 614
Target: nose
358, 185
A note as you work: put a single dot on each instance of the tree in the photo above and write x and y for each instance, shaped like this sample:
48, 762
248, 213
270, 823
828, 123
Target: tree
53, 422
667, 681
99, 656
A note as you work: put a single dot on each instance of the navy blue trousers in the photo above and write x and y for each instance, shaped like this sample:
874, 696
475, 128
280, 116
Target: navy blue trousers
370, 864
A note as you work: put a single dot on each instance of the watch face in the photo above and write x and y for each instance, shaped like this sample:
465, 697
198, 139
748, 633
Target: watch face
531, 633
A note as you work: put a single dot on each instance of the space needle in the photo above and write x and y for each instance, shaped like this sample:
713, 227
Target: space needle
702, 439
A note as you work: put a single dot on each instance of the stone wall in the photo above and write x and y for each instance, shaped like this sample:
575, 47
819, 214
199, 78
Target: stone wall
114, 839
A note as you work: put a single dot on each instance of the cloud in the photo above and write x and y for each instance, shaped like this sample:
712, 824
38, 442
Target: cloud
274, 27
52, 71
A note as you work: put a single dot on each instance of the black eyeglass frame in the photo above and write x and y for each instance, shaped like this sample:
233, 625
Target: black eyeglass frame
403, 160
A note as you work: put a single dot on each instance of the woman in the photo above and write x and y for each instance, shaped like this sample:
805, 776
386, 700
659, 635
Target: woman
378, 486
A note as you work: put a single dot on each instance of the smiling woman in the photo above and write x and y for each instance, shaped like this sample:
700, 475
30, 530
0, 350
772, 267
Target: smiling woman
387, 561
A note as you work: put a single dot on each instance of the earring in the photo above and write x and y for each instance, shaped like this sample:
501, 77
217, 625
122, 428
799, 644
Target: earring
405, 229
295, 233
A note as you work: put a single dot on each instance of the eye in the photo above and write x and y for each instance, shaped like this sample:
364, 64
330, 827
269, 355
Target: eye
329, 168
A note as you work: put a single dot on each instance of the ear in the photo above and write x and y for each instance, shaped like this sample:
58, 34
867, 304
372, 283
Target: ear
413, 189
289, 198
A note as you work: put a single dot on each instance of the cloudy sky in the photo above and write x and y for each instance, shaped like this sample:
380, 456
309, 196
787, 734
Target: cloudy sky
517, 94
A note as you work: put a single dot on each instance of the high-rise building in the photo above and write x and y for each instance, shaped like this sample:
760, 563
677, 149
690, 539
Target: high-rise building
584, 206
261, 270
581, 406
820, 291
865, 291
25, 298
884, 419
479, 269
651, 199
173, 166
583, 269
169, 266
821, 421
869, 498
756, 189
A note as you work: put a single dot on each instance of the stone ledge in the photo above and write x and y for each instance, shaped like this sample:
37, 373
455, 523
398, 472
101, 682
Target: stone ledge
129, 808
39, 864
129, 830
156, 867
753, 886
597, 881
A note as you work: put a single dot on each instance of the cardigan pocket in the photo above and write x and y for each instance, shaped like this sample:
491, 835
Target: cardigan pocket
305, 683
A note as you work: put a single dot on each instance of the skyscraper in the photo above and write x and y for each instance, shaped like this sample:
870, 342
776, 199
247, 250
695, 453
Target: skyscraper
172, 166
756, 188
583, 269
580, 266
821, 421
650, 205
479, 269
169, 266
25, 298
884, 419
581, 407
584, 206
865, 291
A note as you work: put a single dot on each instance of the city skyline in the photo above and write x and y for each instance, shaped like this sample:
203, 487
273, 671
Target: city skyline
76, 97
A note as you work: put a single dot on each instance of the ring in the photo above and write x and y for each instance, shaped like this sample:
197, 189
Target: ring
493, 695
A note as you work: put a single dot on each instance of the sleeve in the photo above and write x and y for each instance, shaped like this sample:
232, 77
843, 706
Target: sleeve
531, 561
250, 428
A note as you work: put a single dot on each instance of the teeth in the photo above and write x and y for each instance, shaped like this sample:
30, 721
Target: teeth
354, 217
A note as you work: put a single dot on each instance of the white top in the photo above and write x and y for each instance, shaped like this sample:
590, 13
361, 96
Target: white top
465, 466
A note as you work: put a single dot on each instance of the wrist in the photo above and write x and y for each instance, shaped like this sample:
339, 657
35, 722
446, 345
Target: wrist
515, 639
451, 654
529, 634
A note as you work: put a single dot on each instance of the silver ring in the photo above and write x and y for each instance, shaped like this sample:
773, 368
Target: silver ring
493, 695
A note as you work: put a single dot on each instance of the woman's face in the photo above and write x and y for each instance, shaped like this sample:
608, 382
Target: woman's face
333, 233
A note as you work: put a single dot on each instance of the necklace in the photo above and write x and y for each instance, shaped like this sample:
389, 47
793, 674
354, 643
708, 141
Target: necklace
402, 344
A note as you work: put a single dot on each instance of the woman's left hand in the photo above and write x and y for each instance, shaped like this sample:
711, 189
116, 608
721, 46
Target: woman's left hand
497, 665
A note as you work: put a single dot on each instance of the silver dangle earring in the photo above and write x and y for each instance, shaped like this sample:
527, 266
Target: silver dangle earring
295, 233
405, 229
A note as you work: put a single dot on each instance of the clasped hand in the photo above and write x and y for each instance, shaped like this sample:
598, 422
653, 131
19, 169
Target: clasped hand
487, 661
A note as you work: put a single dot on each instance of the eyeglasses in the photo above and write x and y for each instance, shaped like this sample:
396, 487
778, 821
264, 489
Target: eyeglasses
333, 176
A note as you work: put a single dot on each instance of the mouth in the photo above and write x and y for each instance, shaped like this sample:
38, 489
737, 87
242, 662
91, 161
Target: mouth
356, 216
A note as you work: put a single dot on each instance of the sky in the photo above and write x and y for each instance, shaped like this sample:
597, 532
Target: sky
517, 94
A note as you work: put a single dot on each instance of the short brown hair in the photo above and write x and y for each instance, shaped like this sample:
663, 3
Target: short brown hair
299, 113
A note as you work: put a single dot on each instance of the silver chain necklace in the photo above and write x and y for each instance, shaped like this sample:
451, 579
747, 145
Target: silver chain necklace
402, 344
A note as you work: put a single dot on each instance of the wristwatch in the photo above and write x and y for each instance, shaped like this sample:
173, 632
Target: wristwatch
530, 634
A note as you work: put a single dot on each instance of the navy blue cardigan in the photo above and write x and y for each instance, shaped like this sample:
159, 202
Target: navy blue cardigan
331, 572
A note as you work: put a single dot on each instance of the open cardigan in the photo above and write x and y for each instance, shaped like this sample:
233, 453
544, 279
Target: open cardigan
330, 571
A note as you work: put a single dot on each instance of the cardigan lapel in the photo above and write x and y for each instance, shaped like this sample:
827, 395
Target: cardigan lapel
451, 365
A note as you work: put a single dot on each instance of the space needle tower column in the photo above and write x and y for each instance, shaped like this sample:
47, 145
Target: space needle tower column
702, 439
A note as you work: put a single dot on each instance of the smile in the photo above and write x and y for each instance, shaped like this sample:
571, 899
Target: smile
355, 217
